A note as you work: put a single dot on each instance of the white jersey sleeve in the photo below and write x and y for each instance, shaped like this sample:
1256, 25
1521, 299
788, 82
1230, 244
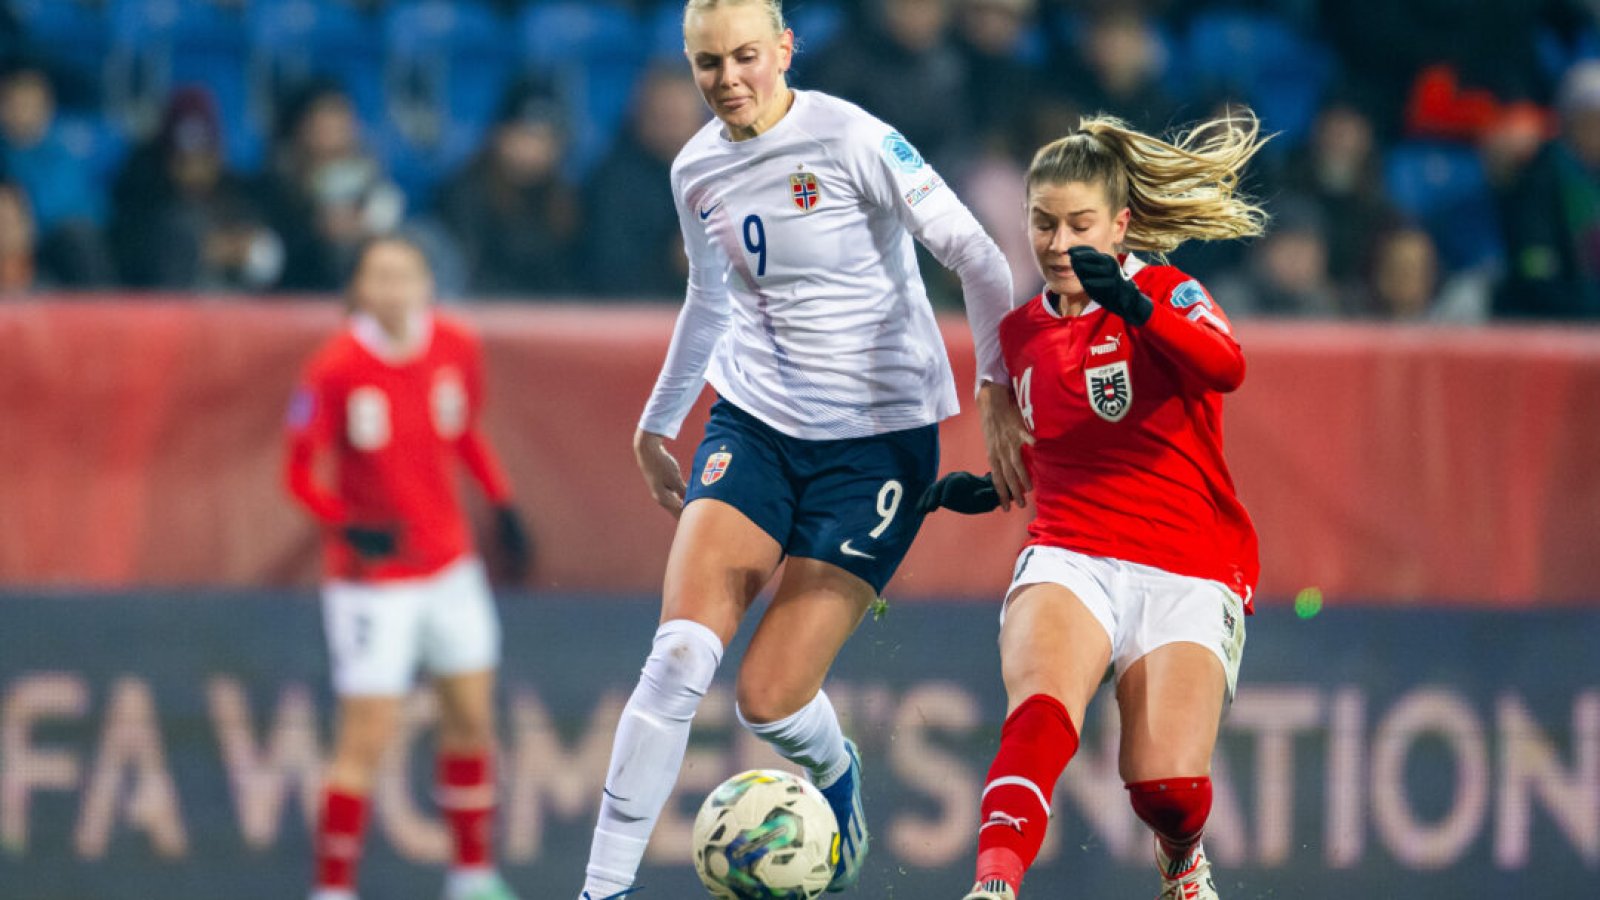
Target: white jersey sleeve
896, 177
701, 325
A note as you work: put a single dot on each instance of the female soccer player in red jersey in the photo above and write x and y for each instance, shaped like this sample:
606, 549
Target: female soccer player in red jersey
1140, 557
395, 397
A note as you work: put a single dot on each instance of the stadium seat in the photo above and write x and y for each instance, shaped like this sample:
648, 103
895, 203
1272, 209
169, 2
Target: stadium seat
447, 64
1281, 73
158, 45
591, 51
292, 41
77, 35
1443, 186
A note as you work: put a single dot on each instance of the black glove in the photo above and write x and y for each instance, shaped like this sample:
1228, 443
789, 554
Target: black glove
961, 492
370, 543
515, 544
1102, 279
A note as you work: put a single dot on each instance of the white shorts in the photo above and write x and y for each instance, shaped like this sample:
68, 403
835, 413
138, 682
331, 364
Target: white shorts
379, 634
1141, 607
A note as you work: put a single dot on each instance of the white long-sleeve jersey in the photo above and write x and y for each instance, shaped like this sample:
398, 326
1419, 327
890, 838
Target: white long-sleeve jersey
804, 305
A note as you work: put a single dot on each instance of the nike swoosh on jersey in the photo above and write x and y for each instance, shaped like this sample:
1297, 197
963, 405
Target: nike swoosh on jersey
848, 550
706, 213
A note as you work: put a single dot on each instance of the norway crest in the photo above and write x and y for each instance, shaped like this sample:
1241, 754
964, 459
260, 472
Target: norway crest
803, 188
716, 467
1110, 391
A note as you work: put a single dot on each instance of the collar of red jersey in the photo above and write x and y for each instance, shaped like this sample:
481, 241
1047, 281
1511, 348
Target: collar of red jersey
370, 335
1130, 266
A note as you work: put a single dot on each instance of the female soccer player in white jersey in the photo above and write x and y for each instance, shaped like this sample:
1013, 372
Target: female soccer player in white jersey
805, 311
394, 398
1139, 556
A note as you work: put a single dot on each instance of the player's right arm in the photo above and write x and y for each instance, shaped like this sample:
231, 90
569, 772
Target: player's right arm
701, 324
311, 430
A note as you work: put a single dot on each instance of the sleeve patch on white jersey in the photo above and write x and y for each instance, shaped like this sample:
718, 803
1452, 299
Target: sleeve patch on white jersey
900, 152
924, 190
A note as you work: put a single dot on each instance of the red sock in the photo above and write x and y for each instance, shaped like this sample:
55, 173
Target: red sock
1036, 743
338, 846
1175, 809
466, 792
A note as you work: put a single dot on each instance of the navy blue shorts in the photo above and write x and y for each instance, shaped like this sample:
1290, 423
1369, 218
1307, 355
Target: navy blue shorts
850, 502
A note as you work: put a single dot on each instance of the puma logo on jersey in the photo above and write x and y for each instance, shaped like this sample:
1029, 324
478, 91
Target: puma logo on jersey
1004, 819
1113, 344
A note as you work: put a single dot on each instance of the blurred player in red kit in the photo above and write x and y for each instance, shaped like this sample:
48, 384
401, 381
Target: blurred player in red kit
395, 398
1140, 557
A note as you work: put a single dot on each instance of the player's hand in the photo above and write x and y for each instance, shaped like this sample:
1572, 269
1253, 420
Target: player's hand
516, 546
661, 472
961, 492
1004, 434
370, 543
1103, 280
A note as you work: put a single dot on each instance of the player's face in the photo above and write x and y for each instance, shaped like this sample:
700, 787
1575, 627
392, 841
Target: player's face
738, 65
1066, 215
392, 284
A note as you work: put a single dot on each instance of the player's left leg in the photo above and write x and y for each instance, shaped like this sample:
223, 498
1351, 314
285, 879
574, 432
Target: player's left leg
854, 519
1171, 703
1177, 669
780, 698
461, 642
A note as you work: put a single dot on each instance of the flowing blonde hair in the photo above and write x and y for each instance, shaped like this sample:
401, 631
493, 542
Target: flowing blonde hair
1184, 190
773, 9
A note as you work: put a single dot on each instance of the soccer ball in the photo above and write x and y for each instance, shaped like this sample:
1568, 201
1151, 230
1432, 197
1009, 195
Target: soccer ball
765, 835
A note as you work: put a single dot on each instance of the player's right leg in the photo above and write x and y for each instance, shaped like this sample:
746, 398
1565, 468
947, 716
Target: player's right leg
1054, 649
719, 561
372, 640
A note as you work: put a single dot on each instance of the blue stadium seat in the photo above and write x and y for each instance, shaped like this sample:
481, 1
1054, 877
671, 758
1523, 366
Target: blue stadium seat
1263, 59
446, 70
158, 45
75, 35
295, 40
1443, 186
591, 50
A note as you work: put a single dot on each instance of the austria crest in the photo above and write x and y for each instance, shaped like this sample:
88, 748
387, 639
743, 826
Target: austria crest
716, 467
1110, 390
803, 188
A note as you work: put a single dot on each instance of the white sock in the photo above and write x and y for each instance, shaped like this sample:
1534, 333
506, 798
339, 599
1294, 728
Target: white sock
810, 738
648, 750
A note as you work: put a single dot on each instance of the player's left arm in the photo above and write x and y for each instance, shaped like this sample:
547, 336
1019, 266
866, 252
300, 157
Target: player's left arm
894, 176
484, 466
1186, 326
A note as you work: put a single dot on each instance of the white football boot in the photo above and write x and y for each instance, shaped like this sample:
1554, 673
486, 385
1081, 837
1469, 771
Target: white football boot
1185, 879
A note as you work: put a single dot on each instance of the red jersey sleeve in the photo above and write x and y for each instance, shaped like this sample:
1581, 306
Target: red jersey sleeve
1189, 328
312, 427
476, 454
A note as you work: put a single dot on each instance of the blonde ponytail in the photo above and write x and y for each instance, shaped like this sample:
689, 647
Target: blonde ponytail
1184, 190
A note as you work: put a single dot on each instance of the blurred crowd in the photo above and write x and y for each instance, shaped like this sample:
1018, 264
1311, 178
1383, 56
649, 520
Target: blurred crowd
1434, 159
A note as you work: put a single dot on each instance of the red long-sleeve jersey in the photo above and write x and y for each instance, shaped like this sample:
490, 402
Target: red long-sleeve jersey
395, 427
1128, 461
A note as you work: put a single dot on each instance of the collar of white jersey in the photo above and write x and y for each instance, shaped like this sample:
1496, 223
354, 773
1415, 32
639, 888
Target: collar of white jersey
1130, 266
370, 335
801, 98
